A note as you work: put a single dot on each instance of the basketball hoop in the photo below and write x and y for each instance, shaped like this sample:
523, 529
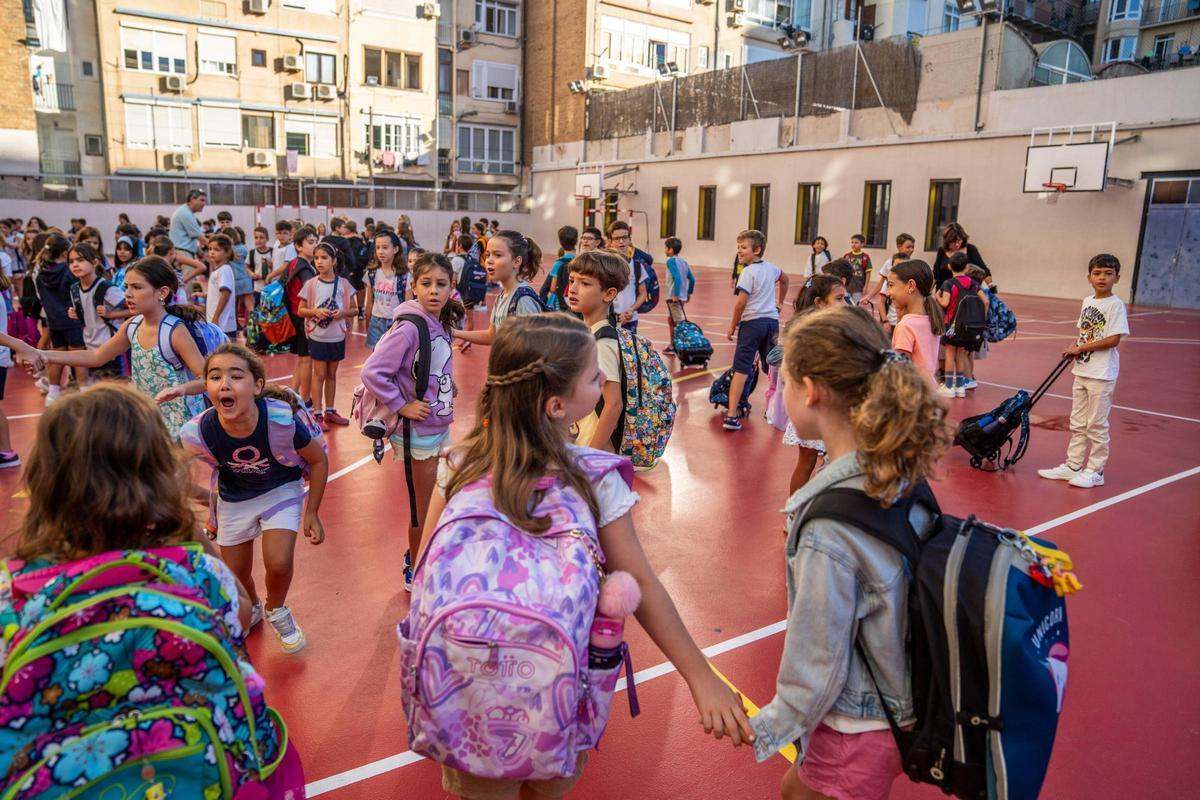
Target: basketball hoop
1054, 190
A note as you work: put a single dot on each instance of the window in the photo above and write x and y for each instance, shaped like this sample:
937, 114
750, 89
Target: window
702, 58
217, 53
770, 12
258, 131
219, 127
943, 209
877, 204
951, 18
258, 58
760, 206
315, 6
666, 221
490, 81
1125, 9
1175, 191
154, 51
93, 145
1062, 62
495, 16
1162, 47
311, 137
392, 69
158, 127
397, 134
726, 59
808, 210
87, 69
320, 67
486, 148
638, 47
445, 82
706, 220
1120, 49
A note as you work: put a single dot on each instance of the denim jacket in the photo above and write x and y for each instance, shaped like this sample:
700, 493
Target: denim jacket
841, 583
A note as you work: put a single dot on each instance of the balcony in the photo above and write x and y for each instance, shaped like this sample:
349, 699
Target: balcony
486, 167
54, 97
1047, 17
54, 165
1168, 11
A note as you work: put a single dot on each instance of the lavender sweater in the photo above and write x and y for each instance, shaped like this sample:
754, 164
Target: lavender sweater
389, 373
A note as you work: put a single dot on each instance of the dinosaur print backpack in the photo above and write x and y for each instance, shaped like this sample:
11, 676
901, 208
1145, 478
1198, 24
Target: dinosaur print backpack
495, 674
125, 675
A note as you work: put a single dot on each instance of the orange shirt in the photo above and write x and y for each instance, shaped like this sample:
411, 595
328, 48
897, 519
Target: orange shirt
914, 335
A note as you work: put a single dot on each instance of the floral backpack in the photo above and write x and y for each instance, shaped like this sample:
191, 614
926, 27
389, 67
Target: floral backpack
495, 674
125, 675
649, 414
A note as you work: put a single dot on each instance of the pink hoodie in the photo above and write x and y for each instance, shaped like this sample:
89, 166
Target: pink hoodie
389, 373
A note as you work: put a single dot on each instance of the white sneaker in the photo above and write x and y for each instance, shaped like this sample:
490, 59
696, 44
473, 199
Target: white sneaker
291, 638
256, 615
1060, 473
946, 391
1087, 479
50, 399
960, 391
42, 384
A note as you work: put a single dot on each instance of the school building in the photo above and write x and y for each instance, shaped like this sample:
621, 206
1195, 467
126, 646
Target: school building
902, 136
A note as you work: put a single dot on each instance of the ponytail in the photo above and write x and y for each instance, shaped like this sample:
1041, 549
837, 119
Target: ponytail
921, 274
899, 422
524, 248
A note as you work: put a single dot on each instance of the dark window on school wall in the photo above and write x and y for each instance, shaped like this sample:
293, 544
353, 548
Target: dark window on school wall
877, 204
258, 58
706, 224
666, 222
808, 209
943, 209
611, 201
760, 206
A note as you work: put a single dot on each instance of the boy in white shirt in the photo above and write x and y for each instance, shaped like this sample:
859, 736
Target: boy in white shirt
760, 290
220, 308
1102, 323
595, 280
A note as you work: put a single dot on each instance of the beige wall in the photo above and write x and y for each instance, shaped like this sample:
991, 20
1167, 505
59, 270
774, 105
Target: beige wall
499, 49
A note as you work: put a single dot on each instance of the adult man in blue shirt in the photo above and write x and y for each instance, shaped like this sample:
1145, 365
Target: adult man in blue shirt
186, 233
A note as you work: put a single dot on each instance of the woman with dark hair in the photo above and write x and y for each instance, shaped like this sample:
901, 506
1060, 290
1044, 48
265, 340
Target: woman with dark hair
954, 239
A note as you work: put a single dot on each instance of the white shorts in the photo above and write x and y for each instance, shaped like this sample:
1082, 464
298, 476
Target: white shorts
279, 509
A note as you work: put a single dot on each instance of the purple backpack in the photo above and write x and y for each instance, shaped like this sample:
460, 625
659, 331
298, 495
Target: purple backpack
494, 653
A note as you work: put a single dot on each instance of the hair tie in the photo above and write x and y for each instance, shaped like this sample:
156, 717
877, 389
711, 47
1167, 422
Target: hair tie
891, 356
519, 375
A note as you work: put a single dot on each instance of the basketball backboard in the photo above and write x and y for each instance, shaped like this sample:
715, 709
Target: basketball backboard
587, 184
1075, 157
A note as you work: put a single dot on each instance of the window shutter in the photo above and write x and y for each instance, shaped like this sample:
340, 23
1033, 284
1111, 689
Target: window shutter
325, 139
479, 79
219, 48
220, 126
504, 76
137, 125
171, 45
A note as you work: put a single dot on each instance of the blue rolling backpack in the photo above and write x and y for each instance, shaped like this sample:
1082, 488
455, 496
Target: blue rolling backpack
691, 346
988, 643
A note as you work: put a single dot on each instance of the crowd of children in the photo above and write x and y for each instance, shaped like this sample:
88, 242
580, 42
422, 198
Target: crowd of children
855, 384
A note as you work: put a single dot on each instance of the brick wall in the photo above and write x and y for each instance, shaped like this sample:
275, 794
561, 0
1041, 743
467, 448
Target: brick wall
555, 53
16, 96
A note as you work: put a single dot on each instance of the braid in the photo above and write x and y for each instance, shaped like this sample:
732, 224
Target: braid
518, 375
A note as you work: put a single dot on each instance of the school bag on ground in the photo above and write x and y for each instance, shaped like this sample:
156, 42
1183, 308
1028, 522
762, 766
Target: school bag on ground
988, 438
378, 423
718, 394
273, 318
1002, 322
121, 679
988, 642
473, 281
691, 346
648, 395
969, 323
495, 673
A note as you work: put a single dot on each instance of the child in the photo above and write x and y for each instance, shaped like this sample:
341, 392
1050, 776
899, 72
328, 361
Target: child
819, 257
387, 277
682, 283
590, 239
260, 260
760, 292
296, 275
161, 373
243, 279
596, 278
554, 293
542, 377
513, 261
326, 303
949, 296
163, 247
919, 317
220, 303
94, 301
620, 238
91, 237
29, 354
905, 244
284, 249
885, 430
389, 376
259, 492
463, 260
840, 268
53, 284
860, 264
1102, 323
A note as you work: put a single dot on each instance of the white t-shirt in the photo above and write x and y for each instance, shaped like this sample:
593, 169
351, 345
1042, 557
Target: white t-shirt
222, 278
758, 281
387, 292
254, 261
1100, 318
627, 297
883, 273
457, 262
6, 264
814, 262
318, 293
95, 329
282, 256
608, 353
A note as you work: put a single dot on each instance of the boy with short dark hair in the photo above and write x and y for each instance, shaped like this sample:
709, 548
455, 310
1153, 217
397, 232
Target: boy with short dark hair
594, 281
860, 263
1102, 323
461, 260
224, 220
905, 245
592, 238
620, 239
681, 284
555, 293
841, 269
284, 252
957, 358
760, 290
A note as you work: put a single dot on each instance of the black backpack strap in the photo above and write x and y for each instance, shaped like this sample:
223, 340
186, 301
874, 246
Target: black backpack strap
523, 291
424, 356
609, 331
889, 525
76, 299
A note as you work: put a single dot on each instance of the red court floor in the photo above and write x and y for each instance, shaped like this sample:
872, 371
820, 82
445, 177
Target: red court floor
709, 519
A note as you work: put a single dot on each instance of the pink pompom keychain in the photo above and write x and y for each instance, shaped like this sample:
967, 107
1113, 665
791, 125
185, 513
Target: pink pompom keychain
619, 597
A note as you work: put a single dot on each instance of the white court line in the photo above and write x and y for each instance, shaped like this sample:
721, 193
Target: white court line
1123, 408
399, 760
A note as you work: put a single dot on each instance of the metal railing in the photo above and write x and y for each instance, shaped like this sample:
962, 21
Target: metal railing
51, 165
54, 97
1058, 16
1167, 11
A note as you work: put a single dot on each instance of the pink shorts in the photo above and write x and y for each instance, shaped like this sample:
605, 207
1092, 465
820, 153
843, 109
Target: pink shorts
850, 766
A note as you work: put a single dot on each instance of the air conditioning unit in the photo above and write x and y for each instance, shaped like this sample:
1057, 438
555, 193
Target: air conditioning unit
737, 20
258, 6
173, 83
326, 91
260, 158
430, 10
511, 107
466, 38
293, 63
300, 91
737, 5
179, 160
599, 72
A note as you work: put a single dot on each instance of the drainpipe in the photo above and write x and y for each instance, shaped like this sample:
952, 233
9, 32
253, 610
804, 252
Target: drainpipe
979, 81
716, 35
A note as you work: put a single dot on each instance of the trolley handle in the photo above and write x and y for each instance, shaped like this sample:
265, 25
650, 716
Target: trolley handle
1058, 370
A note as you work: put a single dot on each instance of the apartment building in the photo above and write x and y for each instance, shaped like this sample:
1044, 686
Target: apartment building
1156, 34
18, 128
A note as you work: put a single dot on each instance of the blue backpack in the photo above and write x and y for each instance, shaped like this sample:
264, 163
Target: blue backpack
1002, 322
988, 643
643, 263
524, 291
472, 284
207, 336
